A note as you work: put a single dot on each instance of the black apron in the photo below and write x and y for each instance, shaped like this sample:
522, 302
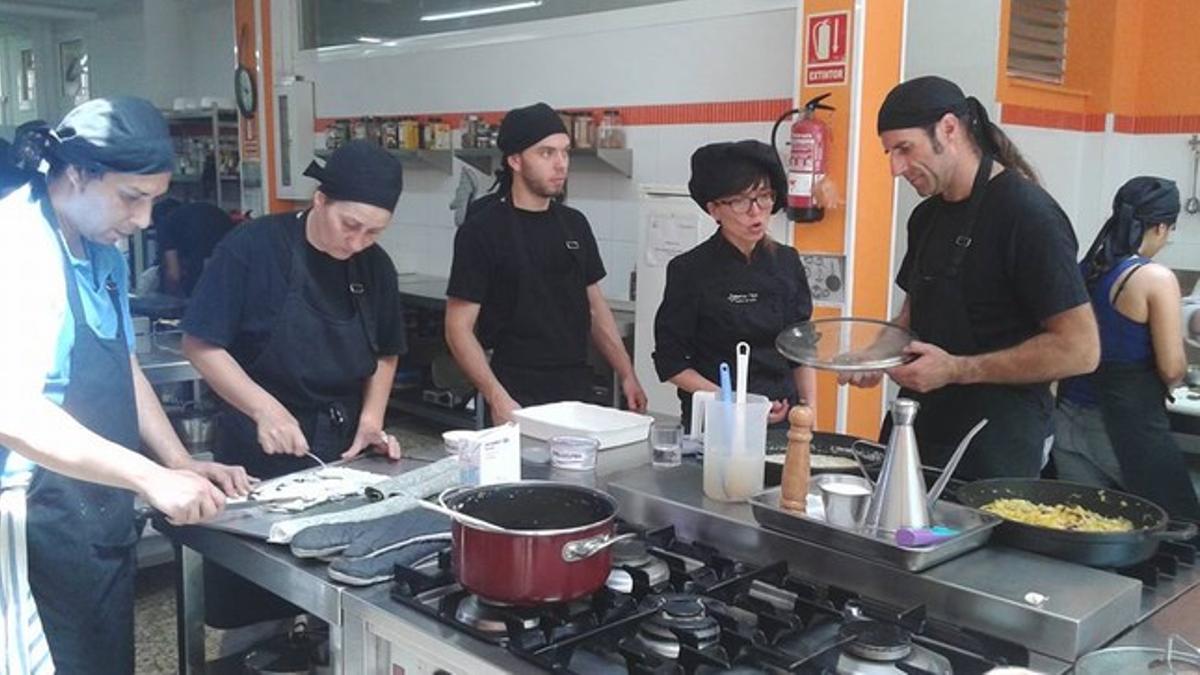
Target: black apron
307, 351
1132, 405
539, 291
81, 535
1013, 442
757, 323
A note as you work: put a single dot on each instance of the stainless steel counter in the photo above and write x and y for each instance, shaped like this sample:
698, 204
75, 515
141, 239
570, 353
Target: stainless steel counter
985, 590
165, 363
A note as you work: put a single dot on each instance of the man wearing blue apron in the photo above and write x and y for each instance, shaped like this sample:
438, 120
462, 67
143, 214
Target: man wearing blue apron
525, 281
993, 292
75, 405
296, 323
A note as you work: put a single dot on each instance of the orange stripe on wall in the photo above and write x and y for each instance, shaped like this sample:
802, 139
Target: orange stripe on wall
706, 112
266, 72
1157, 124
1051, 119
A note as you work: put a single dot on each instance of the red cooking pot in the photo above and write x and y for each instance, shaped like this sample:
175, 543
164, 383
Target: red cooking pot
550, 542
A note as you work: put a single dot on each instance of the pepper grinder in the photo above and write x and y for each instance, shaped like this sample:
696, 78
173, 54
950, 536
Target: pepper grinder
793, 494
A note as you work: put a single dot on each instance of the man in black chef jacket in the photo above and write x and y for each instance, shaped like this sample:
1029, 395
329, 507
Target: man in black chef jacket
525, 281
993, 292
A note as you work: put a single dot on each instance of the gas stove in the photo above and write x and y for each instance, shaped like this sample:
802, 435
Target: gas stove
684, 607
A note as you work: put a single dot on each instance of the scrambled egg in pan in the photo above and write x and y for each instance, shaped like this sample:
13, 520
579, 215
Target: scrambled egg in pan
1058, 516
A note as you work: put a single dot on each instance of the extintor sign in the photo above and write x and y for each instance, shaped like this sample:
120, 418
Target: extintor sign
827, 46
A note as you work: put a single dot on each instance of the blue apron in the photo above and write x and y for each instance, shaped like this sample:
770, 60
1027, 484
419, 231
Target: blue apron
81, 535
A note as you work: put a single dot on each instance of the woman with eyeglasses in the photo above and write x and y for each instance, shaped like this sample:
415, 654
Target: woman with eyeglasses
739, 285
1111, 427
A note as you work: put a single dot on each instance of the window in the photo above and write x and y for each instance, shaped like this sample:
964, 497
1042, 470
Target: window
1037, 40
28, 84
329, 23
74, 59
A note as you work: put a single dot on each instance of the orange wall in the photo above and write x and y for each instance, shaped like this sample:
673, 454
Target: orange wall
880, 71
873, 212
1128, 57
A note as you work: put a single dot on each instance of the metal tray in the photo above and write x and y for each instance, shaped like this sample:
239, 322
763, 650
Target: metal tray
975, 529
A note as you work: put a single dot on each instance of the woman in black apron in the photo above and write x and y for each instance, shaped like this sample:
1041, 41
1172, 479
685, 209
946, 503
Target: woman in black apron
104, 165
1137, 305
317, 379
737, 286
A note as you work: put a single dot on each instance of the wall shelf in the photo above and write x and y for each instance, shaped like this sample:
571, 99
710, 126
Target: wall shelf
619, 160
441, 160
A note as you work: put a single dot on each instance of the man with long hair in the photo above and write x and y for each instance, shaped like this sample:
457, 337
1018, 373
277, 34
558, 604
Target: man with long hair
993, 292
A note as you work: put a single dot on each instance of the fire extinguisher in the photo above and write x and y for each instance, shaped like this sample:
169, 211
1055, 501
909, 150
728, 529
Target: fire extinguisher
807, 159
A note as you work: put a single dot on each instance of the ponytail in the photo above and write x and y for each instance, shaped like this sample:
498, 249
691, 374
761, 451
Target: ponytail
993, 141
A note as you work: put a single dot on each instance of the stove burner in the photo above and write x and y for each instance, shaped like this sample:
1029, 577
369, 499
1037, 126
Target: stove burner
680, 617
876, 641
491, 617
629, 556
630, 552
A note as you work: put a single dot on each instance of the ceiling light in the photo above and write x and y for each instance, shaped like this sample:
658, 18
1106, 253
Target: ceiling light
369, 40
480, 11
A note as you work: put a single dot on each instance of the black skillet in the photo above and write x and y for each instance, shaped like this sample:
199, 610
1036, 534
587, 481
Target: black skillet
1098, 549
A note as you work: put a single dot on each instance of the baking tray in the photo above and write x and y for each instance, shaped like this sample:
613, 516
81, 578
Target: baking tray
609, 426
975, 527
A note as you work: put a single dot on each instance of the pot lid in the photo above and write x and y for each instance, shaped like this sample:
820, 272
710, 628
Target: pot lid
846, 344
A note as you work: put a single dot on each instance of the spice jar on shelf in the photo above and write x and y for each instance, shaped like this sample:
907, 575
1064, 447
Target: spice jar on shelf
584, 136
611, 133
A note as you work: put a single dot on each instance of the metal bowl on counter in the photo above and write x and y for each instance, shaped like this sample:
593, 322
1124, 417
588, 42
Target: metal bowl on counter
196, 426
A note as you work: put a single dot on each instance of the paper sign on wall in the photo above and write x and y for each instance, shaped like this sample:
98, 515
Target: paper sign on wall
827, 46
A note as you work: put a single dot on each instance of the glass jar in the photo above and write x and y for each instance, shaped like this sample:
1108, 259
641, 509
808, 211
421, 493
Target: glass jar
611, 133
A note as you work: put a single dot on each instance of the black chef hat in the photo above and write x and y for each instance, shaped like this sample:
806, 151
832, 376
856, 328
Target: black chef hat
122, 134
524, 127
920, 102
712, 178
360, 171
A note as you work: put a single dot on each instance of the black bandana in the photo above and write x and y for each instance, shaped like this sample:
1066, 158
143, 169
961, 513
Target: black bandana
1141, 203
920, 102
361, 171
708, 181
122, 134
524, 127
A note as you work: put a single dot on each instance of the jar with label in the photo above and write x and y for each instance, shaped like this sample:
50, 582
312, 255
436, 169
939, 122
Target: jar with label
412, 134
584, 130
391, 130
611, 133
359, 131
441, 136
468, 129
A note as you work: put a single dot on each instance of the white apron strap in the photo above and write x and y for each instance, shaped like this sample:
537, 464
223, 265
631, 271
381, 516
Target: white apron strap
23, 647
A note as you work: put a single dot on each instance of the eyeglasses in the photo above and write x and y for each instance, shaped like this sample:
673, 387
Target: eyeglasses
741, 205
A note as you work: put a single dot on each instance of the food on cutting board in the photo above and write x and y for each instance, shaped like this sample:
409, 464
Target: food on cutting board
1070, 517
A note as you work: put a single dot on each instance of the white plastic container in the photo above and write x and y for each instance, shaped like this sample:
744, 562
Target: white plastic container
609, 426
733, 469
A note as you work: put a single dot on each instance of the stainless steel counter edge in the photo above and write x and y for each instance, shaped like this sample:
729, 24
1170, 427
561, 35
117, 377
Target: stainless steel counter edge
673, 497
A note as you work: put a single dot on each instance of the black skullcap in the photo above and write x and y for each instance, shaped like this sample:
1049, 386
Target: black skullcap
1142, 202
122, 134
524, 127
710, 164
360, 171
920, 102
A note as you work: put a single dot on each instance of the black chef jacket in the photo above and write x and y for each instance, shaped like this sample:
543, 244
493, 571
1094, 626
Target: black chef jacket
716, 298
529, 271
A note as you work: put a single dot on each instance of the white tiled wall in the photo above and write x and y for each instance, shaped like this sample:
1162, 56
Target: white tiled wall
422, 235
1084, 170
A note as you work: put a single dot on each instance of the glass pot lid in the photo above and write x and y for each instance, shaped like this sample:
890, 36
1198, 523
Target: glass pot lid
846, 344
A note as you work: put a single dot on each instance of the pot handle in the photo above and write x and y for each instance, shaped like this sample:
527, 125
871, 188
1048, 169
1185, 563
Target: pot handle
582, 549
1176, 530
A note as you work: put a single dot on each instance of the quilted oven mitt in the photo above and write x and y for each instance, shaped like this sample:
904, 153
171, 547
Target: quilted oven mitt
403, 539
